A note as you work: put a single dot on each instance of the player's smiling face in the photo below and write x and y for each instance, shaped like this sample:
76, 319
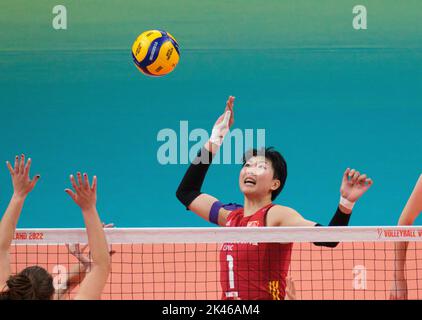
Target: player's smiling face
256, 179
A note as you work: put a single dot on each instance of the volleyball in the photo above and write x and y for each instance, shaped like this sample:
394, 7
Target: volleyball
155, 52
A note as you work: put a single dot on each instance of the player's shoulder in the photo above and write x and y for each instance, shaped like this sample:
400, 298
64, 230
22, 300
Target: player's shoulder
277, 213
279, 209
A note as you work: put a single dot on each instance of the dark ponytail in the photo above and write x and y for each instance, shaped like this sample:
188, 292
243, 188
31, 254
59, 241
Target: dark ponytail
32, 283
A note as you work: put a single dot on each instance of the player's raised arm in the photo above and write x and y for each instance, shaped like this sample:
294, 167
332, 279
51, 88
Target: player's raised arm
413, 206
85, 196
189, 192
22, 186
408, 216
353, 186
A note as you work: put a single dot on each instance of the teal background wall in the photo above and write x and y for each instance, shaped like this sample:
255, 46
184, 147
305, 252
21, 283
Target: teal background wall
327, 95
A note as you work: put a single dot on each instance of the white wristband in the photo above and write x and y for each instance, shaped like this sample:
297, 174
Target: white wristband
346, 203
217, 137
217, 140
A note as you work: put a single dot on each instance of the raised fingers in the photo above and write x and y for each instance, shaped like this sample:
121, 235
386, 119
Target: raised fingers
83, 183
20, 167
22, 164
79, 176
73, 248
351, 174
27, 169
11, 170
346, 175
355, 177
86, 182
16, 165
362, 179
369, 182
229, 103
34, 181
94, 184
73, 182
71, 194
229, 106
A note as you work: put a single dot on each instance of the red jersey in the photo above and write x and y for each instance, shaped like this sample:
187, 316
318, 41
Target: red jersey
251, 271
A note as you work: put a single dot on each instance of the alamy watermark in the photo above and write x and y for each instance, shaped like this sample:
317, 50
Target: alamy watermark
60, 19
360, 18
359, 277
60, 277
182, 147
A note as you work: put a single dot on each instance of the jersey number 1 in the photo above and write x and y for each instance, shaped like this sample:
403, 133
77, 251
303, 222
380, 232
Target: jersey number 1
231, 273
231, 294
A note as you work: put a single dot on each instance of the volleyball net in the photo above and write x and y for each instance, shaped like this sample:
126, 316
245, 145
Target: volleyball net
253, 262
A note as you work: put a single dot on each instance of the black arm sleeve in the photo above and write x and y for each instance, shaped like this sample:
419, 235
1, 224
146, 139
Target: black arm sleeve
339, 219
190, 187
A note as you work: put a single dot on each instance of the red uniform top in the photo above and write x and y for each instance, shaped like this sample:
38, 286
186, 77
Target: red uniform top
251, 271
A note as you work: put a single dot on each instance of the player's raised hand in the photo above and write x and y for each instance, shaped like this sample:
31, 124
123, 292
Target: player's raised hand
229, 107
22, 183
223, 123
354, 185
83, 194
78, 251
